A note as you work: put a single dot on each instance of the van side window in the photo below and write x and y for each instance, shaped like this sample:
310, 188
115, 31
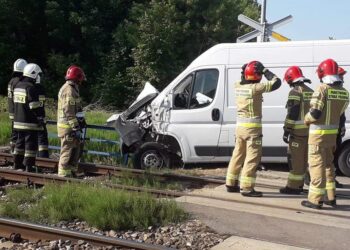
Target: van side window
182, 93
197, 90
204, 88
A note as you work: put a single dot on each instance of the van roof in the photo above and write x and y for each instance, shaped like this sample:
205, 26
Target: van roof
271, 53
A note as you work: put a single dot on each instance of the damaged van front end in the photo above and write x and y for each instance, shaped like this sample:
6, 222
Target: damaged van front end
140, 128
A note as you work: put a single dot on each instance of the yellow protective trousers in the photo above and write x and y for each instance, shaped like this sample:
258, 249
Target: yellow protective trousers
69, 157
322, 173
297, 150
245, 159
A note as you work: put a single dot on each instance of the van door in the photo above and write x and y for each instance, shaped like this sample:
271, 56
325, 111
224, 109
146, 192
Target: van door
227, 135
196, 114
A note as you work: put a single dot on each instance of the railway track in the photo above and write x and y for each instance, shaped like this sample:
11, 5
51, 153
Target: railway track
35, 232
98, 169
42, 179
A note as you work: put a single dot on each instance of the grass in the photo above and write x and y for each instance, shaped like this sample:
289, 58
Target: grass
92, 117
5, 126
99, 206
146, 180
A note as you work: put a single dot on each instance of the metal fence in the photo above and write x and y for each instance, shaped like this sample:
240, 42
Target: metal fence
118, 155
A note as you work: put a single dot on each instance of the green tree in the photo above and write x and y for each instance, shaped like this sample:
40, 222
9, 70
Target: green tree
80, 32
172, 33
120, 44
22, 34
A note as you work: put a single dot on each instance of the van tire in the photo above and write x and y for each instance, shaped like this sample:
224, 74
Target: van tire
151, 155
344, 160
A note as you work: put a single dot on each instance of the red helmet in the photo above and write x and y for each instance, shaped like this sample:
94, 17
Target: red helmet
341, 71
250, 73
293, 74
328, 67
75, 73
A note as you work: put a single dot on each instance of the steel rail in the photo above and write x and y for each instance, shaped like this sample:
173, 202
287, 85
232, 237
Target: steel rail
42, 179
100, 169
34, 232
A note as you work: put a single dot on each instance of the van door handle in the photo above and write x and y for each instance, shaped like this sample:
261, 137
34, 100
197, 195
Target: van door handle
215, 114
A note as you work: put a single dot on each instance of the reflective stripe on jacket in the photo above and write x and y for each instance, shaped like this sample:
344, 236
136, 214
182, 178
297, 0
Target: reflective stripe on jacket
332, 100
26, 106
10, 87
249, 98
298, 105
69, 104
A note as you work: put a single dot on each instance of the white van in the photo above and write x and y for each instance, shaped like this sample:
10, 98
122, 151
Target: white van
193, 119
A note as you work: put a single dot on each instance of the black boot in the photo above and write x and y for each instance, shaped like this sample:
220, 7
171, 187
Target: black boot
12, 147
332, 203
251, 193
30, 169
311, 205
78, 174
232, 189
19, 167
288, 190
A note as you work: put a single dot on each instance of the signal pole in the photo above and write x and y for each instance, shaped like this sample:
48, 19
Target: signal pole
263, 30
263, 37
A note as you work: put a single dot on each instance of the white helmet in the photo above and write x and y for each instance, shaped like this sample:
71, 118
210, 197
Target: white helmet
19, 65
32, 70
38, 79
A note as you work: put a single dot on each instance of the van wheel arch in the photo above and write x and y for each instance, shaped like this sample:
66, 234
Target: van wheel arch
174, 150
344, 158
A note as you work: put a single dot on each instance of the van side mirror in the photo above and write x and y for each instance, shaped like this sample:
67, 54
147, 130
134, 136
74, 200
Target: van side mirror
180, 100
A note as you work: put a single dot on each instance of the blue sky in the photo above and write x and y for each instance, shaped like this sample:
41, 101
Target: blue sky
312, 19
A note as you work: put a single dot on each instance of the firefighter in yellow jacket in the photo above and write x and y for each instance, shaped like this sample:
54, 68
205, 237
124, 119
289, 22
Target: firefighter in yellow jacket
248, 146
295, 131
328, 103
70, 122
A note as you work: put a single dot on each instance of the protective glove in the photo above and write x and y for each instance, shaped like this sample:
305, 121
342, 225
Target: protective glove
75, 134
41, 121
286, 136
242, 72
82, 122
342, 131
259, 68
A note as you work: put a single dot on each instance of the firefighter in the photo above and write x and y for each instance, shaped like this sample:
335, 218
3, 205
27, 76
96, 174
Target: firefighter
17, 74
248, 147
27, 120
70, 121
43, 141
295, 131
327, 104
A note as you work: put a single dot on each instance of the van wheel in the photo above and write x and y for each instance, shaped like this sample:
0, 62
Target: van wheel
344, 161
151, 155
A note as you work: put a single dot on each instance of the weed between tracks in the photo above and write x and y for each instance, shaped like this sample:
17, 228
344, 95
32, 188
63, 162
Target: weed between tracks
147, 180
100, 207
